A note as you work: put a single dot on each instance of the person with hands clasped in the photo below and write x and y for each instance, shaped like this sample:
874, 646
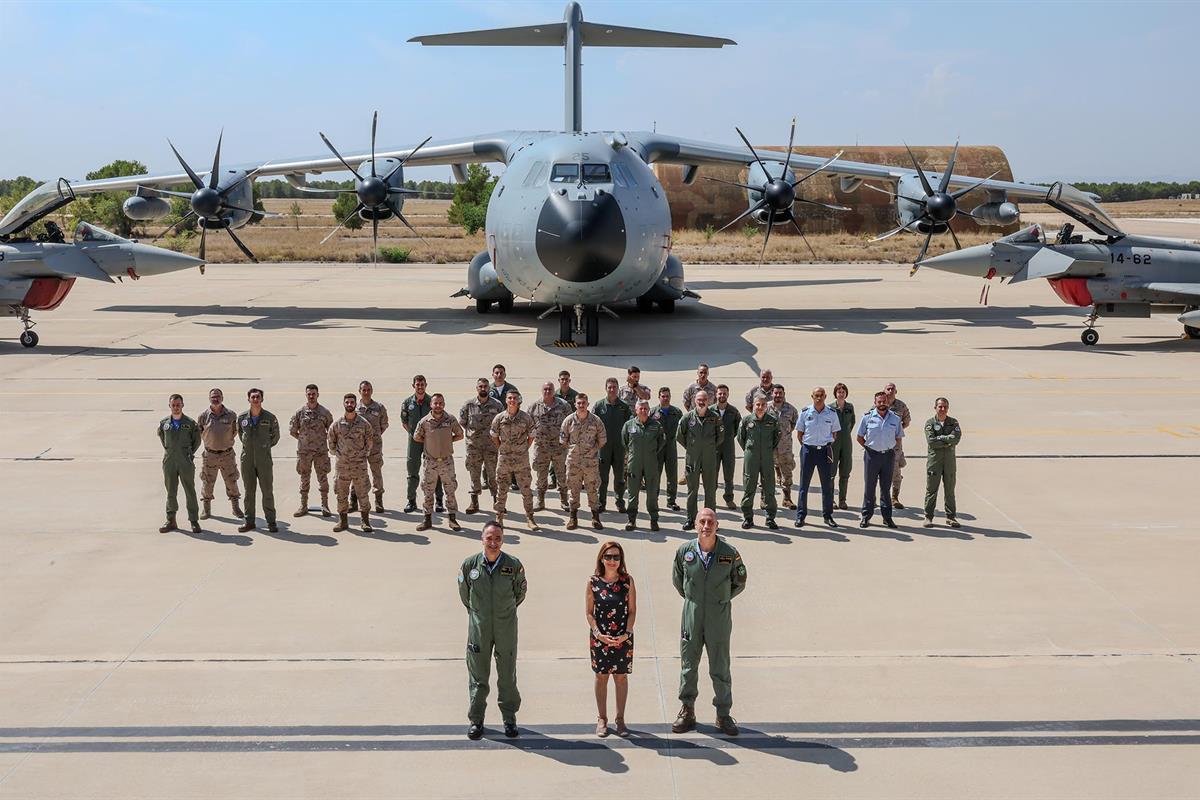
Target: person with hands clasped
611, 608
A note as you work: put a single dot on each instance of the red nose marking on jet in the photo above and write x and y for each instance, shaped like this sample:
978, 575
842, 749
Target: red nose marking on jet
132, 273
1073, 291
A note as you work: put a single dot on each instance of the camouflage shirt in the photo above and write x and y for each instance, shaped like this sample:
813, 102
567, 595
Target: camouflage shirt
511, 433
583, 437
900, 409
351, 439
310, 426
629, 395
757, 390
689, 394
548, 420
217, 431
476, 417
377, 415
438, 435
787, 416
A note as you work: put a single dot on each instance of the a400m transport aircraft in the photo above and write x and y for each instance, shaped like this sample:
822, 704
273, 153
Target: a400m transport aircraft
578, 220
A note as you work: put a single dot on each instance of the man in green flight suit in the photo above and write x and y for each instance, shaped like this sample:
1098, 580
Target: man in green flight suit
730, 417
644, 440
491, 584
708, 574
613, 412
258, 430
668, 416
701, 434
416, 406
180, 438
758, 434
943, 433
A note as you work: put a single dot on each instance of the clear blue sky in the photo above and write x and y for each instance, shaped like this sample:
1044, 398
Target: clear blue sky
1069, 90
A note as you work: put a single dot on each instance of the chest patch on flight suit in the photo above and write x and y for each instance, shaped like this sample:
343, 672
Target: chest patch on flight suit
474, 574
689, 556
506, 570
166, 426
245, 423
724, 559
741, 569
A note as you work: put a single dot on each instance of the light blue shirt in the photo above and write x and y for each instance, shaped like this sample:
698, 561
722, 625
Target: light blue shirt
818, 427
879, 432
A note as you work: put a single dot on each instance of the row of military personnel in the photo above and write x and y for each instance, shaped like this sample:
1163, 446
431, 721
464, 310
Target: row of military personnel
575, 448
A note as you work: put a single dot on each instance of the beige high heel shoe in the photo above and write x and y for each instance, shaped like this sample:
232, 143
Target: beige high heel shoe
601, 727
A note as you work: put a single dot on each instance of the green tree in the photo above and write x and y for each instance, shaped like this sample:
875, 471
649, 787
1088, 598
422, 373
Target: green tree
342, 207
469, 207
104, 209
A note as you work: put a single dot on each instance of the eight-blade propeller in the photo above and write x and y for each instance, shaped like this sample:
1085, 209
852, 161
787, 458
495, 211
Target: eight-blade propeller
373, 190
779, 194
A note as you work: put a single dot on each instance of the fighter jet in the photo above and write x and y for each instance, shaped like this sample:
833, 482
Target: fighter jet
1117, 275
37, 274
578, 221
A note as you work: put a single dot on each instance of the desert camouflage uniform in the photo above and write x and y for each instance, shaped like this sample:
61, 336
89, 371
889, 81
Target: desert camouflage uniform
689, 394
377, 415
583, 439
476, 420
900, 409
750, 395
437, 458
785, 456
352, 441
547, 450
629, 395
217, 434
512, 457
310, 427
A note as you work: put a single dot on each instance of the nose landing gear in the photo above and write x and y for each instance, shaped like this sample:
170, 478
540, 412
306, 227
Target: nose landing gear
28, 337
1090, 335
578, 319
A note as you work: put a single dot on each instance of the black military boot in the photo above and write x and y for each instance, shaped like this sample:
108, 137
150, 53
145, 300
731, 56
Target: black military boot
205, 509
195, 526
632, 524
688, 524
541, 501
596, 523
325, 512
454, 526
473, 506
729, 504
654, 523
379, 502
573, 520
747, 523
620, 506
410, 506
169, 525
727, 725
302, 511
237, 508
685, 721
475, 731
343, 523
366, 522
271, 526
248, 525
772, 525
426, 523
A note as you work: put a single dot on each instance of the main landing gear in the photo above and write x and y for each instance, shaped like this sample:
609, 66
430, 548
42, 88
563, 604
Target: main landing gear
28, 337
1090, 335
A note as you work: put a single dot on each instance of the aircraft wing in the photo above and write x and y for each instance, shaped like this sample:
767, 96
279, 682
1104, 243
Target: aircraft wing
1187, 289
487, 147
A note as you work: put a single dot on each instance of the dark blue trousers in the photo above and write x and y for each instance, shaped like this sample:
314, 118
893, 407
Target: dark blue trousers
877, 470
820, 459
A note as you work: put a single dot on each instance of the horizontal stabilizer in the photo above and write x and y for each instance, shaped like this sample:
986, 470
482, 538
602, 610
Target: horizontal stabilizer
551, 35
554, 34
597, 35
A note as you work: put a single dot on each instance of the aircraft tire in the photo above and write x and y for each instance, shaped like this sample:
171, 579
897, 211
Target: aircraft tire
506, 303
667, 306
1089, 337
1190, 332
645, 304
592, 327
566, 325
483, 306
29, 339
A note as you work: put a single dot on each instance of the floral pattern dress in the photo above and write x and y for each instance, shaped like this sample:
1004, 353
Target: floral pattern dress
611, 610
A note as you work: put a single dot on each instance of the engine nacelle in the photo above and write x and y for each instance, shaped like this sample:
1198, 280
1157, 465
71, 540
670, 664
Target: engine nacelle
997, 214
146, 209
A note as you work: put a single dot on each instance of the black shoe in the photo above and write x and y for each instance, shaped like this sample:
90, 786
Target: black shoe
510, 730
674, 506
890, 524
727, 725
747, 524
729, 503
928, 522
475, 732
864, 524
799, 523
602, 509
410, 508
620, 508
831, 522
629, 526
246, 526
195, 526
772, 525
689, 524
272, 527
842, 505
953, 523
654, 525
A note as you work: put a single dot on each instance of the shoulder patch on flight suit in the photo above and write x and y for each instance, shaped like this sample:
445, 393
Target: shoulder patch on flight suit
506, 570
461, 578
474, 574
741, 569
689, 556
245, 423
724, 559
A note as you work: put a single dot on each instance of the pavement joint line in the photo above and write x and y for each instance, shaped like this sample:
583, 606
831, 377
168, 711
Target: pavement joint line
660, 693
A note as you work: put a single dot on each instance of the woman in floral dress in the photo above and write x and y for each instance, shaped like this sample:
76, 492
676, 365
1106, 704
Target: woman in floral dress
611, 610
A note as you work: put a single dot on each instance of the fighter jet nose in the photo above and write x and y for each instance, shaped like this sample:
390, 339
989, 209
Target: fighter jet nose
581, 240
150, 260
975, 260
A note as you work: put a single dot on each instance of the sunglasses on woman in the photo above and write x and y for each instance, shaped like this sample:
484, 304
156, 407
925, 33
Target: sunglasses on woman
612, 556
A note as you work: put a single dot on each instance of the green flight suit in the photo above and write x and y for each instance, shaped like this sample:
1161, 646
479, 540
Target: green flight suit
940, 463
758, 438
730, 418
257, 466
411, 414
701, 438
707, 621
491, 600
643, 462
178, 464
843, 448
612, 455
669, 418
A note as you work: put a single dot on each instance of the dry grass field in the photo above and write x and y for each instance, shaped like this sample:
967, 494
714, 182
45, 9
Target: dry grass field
1154, 208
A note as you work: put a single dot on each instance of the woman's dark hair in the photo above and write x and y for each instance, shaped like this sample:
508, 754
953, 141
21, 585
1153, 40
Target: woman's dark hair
600, 559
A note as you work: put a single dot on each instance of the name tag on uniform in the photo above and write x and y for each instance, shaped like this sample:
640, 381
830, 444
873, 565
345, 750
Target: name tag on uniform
724, 559
506, 570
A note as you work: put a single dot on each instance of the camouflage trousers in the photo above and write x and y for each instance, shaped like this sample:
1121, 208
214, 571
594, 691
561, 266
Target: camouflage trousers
375, 462
516, 466
545, 458
356, 474
433, 470
481, 459
226, 463
901, 461
308, 461
785, 465
585, 476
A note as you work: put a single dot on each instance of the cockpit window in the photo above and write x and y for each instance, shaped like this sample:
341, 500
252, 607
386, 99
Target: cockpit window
565, 173
87, 232
596, 173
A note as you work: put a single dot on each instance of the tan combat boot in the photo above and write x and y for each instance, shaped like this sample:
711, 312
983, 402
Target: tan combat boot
343, 523
573, 520
533, 526
237, 508
562, 496
473, 506
205, 509
596, 523
787, 498
169, 525
325, 512
302, 511
454, 526
500, 518
426, 523
541, 501
366, 522
379, 502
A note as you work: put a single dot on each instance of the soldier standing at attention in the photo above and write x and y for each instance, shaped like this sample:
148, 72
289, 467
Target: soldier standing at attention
584, 437
512, 433
566, 393
309, 426
258, 430
491, 585
613, 413
180, 439
476, 417
730, 418
701, 434
785, 459
500, 386
843, 442
436, 434
878, 432
218, 432
766, 382
900, 409
815, 428
943, 434
669, 416
375, 413
548, 453
633, 390
701, 384
414, 409
351, 439
708, 573
758, 434
643, 440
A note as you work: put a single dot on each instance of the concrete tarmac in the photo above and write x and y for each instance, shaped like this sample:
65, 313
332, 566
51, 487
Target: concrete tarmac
1047, 649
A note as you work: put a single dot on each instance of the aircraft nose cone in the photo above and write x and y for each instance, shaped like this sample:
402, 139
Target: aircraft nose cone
975, 261
150, 260
581, 240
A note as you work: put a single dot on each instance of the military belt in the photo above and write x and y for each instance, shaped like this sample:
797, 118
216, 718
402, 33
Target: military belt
878, 452
218, 452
